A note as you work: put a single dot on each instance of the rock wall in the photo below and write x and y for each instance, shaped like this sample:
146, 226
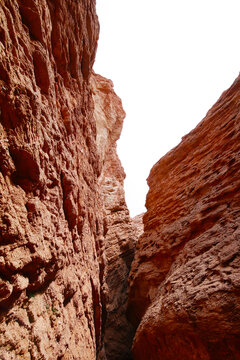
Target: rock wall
56, 148
185, 279
119, 230
66, 238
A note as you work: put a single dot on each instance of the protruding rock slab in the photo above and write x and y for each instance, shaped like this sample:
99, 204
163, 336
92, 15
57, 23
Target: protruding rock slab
185, 278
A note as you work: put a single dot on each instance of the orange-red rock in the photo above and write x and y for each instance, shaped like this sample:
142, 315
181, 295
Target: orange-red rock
120, 230
185, 278
54, 156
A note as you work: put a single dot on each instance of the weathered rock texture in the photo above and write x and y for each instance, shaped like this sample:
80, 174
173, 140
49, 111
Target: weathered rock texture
137, 222
185, 279
120, 231
54, 156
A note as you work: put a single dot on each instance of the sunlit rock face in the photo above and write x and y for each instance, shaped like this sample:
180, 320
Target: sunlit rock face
185, 279
57, 166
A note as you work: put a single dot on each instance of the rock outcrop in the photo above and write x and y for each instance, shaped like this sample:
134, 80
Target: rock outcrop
57, 165
185, 279
119, 230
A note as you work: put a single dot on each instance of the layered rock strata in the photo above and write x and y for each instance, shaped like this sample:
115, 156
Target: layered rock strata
185, 279
53, 162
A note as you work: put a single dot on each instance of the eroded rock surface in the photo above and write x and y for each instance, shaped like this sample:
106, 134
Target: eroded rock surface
119, 230
137, 222
54, 156
185, 279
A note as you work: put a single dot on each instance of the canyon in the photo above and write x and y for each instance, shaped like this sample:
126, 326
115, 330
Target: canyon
67, 241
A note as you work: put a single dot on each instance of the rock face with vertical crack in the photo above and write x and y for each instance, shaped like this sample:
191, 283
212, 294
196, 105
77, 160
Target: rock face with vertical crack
55, 166
185, 279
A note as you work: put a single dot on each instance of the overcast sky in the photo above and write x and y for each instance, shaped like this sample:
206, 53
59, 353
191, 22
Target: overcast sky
170, 61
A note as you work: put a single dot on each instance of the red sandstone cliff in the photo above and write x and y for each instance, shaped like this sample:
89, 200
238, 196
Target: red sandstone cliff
57, 154
185, 278
66, 239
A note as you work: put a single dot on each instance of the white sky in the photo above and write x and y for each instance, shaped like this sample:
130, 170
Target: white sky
169, 60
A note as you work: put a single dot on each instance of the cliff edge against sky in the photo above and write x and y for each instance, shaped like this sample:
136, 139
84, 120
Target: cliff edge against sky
185, 279
59, 123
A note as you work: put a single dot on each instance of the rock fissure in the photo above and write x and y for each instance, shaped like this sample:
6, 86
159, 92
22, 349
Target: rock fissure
67, 242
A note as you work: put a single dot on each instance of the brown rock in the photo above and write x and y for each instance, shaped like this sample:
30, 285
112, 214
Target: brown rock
137, 222
120, 232
50, 203
184, 283
6, 290
54, 157
20, 282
